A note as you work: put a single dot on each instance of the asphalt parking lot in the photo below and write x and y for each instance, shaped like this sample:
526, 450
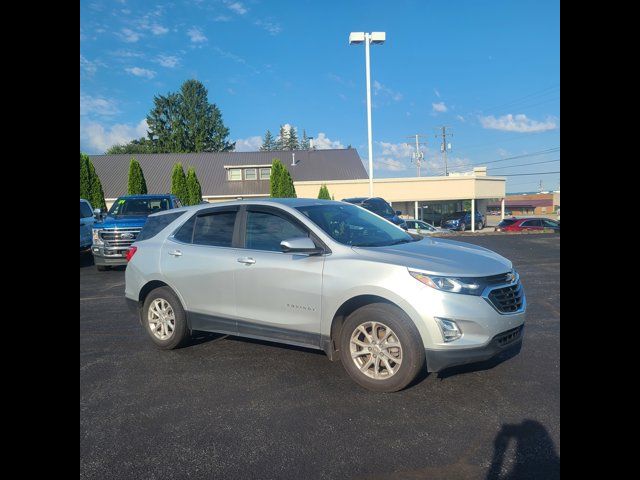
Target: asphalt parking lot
226, 407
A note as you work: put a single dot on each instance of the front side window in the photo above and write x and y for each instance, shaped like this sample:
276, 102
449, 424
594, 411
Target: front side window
265, 231
265, 173
234, 174
85, 210
214, 229
354, 226
250, 174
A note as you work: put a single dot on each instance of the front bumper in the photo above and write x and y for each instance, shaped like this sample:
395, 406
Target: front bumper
511, 340
101, 256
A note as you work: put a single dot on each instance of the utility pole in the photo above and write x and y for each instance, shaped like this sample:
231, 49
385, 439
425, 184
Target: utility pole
418, 155
444, 146
540, 189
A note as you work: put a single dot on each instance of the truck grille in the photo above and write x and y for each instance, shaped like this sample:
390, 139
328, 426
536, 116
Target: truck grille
119, 238
507, 299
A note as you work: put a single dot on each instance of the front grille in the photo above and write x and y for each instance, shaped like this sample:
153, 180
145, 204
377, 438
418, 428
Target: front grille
507, 299
119, 238
510, 336
498, 279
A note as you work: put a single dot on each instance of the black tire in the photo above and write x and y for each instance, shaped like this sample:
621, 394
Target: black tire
480, 225
103, 268
463, 227
180, 333
413, 355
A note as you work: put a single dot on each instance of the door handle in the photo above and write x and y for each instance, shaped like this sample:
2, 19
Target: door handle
246, 260
176, 253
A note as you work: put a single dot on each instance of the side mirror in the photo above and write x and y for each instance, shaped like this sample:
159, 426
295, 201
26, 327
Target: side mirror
398, 213
300, 245
97, 213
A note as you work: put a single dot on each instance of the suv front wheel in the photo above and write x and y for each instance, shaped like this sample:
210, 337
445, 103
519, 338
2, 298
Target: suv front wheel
380, 348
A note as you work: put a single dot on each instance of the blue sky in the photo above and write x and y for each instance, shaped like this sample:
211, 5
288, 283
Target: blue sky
488, 70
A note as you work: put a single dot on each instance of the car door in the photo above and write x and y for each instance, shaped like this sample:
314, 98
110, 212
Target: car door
86, 223
534, 224
278, 294
199, 262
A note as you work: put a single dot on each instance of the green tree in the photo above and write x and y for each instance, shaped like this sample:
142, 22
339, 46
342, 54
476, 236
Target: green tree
85, 180
268, 143
275, 180
283, 139
292, 140
324, 193
194, 190
288, 189
165, 131
305, 144
142, 145
90, 185
179, 184
137, 184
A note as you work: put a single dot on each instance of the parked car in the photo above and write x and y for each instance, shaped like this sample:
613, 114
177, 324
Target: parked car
530, 224
461, 221
504, 223
86, 223
424, 228
114, 234
380, 207
325, 275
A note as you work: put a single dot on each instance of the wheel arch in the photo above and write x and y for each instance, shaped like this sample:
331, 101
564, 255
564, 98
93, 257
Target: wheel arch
151, 286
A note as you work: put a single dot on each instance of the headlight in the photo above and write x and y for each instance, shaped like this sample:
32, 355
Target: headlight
96, 238
448, 284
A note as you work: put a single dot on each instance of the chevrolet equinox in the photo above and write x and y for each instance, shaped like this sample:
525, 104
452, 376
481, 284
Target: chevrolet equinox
326, 275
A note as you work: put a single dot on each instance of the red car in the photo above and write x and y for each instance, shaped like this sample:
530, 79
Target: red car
527, 224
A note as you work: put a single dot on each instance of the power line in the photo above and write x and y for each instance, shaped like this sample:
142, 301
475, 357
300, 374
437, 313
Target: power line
519, 136
522, 174
519, 99
525, 164
532, 154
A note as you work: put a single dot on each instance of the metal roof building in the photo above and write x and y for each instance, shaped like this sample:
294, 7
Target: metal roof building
213, 170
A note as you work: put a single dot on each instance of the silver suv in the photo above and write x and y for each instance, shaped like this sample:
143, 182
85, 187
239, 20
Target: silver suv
327, 275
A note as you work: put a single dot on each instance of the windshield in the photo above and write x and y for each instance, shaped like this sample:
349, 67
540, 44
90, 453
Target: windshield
456, 215
506, 222
350, 225
379, 207
138, 206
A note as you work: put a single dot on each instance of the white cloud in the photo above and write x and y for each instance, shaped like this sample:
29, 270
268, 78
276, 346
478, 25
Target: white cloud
128, 35
380, 89
439, 107
249, 144
322, 142
236, 7
141, 72
222, 18
168, 61
196, 35
99, 139
90, 105
461, 118
271, 27
396, 150
157, 29
88, 66
517, 123
389, 164
435, 90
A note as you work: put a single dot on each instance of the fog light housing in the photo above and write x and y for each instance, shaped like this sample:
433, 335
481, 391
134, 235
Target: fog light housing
449, 328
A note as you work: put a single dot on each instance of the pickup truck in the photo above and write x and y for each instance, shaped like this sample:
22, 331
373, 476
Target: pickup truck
114, 233
86, 222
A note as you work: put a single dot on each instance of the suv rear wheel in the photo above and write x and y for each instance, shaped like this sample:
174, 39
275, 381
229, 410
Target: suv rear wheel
380, 348
164, 319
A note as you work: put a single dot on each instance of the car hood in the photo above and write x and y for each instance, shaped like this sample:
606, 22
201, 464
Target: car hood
121, 221
440, 256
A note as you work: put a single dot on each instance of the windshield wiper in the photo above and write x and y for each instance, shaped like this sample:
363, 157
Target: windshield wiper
398, 242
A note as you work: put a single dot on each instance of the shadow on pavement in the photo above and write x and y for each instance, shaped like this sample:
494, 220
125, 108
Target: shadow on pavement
86, 259
535, 453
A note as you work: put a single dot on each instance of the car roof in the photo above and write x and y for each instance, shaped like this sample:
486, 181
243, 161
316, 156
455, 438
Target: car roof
148, 195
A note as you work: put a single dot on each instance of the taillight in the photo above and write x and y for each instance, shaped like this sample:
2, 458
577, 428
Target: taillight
131, 252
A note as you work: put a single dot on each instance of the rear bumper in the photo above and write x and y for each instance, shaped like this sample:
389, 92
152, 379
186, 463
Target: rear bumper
511, 340
134, 307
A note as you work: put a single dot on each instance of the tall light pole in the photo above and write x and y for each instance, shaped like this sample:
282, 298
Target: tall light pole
377, 38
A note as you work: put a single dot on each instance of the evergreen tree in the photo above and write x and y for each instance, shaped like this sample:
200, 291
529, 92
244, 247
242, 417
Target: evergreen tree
288, 189
324, 193
85, 181
137, 184
305, 144
179, 184
292, 140
142, 145
275, 180
283, 139
165, 129
268, 143
193, 187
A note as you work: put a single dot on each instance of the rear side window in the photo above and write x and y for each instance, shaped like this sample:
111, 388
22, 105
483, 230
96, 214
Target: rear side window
185, 234
214, 229
85, 210
265, 231
505, 223
155, 224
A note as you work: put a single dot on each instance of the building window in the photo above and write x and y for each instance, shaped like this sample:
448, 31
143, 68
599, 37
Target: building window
250, 174
265, 173
234, 174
